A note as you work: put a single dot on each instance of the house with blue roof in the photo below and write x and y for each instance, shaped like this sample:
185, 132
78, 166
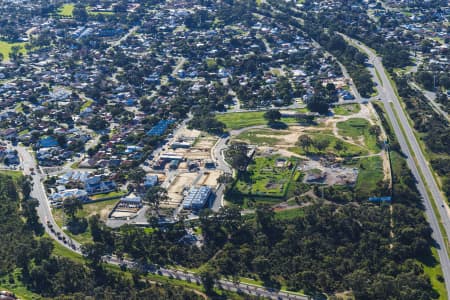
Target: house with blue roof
48, 142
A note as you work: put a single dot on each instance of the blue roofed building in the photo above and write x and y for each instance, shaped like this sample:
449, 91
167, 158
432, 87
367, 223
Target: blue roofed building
160, 128
380, 199
48, 142
197, 198
150, 181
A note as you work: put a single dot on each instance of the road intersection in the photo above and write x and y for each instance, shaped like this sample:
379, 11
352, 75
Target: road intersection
30, 168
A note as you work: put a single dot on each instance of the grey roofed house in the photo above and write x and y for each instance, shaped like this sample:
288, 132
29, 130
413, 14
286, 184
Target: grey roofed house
131, 200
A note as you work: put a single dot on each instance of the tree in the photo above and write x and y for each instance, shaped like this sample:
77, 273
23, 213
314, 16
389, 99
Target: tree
136, 175
80, 13
208, 276
71, 206
272, 115
155, 195
305, 142
237, 155
321, 144
62, 140
230, 218
93, 252
30, 213
225, 179
339, 145
97, 123
15, 50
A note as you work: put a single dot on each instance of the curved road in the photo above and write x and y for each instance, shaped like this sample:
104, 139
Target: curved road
45, 214
415, 159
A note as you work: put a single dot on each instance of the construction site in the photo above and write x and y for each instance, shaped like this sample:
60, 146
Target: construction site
184, 162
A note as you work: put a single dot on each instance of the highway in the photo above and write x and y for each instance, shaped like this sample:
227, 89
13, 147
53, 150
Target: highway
44, 211
415, 158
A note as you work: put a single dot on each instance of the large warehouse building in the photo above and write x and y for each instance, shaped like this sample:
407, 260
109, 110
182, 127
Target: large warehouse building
197, 198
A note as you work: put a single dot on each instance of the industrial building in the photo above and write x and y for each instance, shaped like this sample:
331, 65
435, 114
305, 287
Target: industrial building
197, 198
150, 181
160, 128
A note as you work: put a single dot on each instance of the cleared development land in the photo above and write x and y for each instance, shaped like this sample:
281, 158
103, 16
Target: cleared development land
344, 150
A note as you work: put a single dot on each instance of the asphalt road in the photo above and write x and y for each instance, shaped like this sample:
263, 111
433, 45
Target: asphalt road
397, 115
431, 96
38, 192
29, 166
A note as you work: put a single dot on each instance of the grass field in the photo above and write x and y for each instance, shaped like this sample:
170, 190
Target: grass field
370, 174
347, 109
432, 268
86, 104
355, 128
259, 137
347, 148
14, 174
246, 119
264, 178
89, 209
16, 286
6, 49
115, 194
289, 214
66, 10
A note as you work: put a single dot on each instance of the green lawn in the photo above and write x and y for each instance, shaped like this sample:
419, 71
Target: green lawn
115, 194
289, 214
6, 49
86, 104
264, 178
347, 109
25, 131
432, 268
370, 174
14, 174
62, 251
66, 10
262, 136
378, 76
101, 207
257, 137
346, 151
246, 119
355, 128
17, 286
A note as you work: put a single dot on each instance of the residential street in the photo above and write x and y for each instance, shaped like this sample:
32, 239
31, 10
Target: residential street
29, 166
38, 192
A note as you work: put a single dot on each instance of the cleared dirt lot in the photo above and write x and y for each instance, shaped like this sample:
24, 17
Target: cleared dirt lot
176, 188
202, 148
209, 178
